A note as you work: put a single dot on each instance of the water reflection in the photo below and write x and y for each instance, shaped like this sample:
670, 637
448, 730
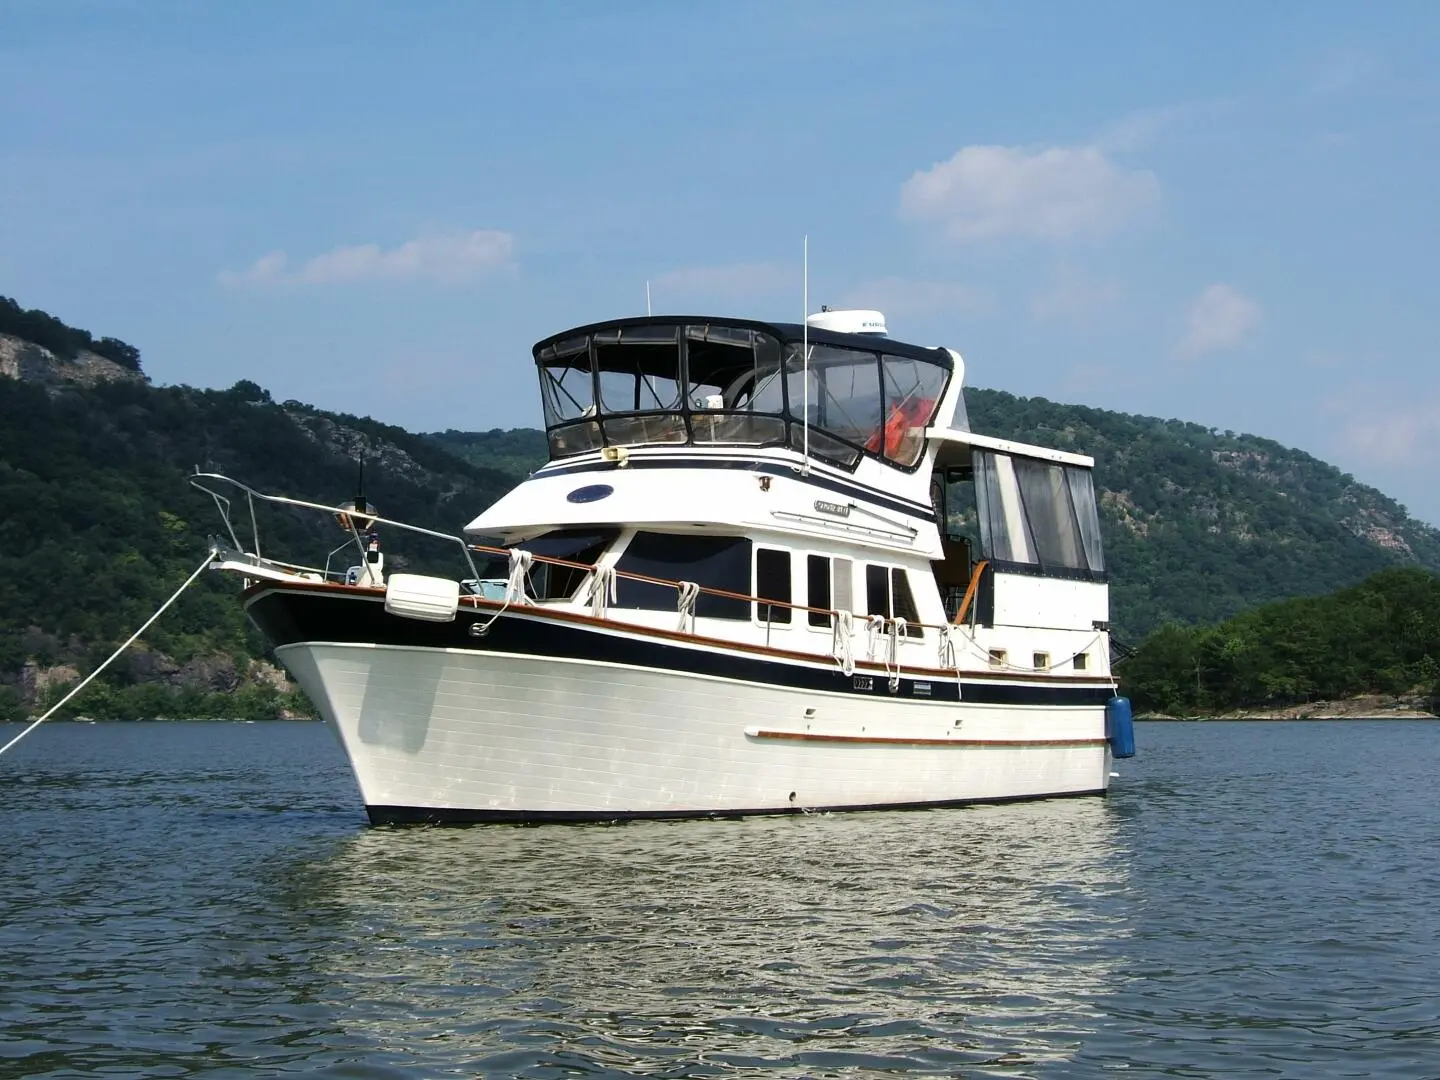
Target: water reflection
976, 939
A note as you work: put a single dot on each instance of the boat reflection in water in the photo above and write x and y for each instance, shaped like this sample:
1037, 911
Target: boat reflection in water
940, 941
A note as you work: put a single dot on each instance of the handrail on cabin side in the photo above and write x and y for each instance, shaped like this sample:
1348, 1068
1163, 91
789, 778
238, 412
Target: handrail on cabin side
970, 592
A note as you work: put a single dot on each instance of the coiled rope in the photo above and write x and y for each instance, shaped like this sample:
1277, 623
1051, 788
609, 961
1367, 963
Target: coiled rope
209, 555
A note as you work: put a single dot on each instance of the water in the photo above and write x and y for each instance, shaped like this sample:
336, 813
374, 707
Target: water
206, 900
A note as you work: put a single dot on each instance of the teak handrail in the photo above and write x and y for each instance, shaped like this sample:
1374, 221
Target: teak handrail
970, 592
629, 575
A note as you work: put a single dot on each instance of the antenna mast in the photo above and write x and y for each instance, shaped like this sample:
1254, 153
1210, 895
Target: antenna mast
805, 344
647, 296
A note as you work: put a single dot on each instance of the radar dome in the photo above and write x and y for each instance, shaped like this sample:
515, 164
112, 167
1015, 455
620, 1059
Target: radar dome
850, 321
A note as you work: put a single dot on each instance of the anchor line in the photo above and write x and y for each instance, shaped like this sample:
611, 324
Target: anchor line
113, 656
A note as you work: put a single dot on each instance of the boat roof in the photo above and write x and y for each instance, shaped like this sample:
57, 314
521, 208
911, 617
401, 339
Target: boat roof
784, 331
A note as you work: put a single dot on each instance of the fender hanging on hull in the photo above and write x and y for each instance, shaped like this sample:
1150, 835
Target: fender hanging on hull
1120, 727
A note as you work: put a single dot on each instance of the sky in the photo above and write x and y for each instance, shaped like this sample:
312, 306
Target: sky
1227, 213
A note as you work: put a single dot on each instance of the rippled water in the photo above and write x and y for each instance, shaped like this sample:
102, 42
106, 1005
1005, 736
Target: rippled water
206, 900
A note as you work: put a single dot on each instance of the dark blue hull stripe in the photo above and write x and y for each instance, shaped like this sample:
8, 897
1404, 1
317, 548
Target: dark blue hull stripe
290, 615
448, 815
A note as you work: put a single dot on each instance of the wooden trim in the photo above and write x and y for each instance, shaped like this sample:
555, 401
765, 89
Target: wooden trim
808, 736
970, 592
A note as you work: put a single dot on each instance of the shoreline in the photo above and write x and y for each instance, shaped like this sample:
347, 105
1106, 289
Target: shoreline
1361, 707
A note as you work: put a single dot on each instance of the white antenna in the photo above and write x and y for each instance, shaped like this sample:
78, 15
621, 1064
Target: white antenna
647, 296
805, 346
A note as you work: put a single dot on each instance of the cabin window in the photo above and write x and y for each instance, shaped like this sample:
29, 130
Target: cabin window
567, 389
912, 391
838, 393
733, 387
1042, 661
817, 585
638, 368
1081, 661
546, 581
902, 602
772, 582
712, 562
843, 598
997, 657
877, 590
1039, 513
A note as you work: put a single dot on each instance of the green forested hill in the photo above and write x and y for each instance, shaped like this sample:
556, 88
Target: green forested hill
1198, 524
1381, 636
99, 523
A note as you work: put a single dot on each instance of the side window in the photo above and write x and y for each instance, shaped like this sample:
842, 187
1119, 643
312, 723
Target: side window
903, 601
817, 582
713, 562
843, 598
877, 590
772, 582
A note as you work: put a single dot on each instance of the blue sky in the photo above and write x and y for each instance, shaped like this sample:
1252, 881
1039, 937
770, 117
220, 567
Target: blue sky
1224, 213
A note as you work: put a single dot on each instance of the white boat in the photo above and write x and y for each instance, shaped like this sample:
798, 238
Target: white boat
767, 568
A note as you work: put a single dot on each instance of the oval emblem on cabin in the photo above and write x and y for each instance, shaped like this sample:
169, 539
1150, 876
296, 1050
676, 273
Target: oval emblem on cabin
590, 493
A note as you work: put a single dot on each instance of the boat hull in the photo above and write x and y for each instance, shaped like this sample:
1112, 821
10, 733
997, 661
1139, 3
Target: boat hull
437, 734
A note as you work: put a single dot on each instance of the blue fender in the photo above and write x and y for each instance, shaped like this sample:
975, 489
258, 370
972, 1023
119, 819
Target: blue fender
1120, 727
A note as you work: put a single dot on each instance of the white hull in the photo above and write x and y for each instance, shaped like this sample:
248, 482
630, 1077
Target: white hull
457, 734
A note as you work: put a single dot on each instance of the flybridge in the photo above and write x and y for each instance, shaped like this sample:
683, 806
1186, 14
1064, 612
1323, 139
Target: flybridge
700, 381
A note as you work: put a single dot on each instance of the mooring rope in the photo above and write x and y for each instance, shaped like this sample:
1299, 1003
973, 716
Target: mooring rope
520, 561
842, 645
111, 658
685, 604
603, 590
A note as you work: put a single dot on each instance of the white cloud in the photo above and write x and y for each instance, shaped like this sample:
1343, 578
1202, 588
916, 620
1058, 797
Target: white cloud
736, 281
1074, 298
985, 192
448, 258
1396, 437
1387, 426
1220, 318
907, 296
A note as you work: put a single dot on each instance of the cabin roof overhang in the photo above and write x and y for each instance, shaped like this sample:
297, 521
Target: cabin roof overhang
787, 332
953, 449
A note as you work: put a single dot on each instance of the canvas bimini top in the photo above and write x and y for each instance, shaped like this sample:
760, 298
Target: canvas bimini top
705, 381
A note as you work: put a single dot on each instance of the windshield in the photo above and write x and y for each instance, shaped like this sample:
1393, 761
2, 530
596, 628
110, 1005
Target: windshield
716, 384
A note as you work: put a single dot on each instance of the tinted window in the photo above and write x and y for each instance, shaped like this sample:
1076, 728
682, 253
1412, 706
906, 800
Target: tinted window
877, 590
712, 562
903, 601
772, 582
817, 582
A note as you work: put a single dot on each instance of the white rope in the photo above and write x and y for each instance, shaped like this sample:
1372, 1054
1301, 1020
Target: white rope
898, 630
111, 658
949, 656
1006, 665
520, 560
842, 641
603, 590
874, 629
685, 603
